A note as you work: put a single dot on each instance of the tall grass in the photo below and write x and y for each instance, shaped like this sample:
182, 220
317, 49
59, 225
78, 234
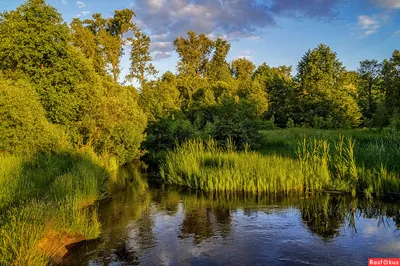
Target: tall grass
44, 205
373, 148
319, 165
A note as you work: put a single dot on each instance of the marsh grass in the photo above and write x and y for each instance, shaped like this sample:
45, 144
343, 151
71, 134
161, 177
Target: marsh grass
372, 148
46, 194
319, 165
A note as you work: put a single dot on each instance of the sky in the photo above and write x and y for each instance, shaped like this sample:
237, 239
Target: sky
277, 32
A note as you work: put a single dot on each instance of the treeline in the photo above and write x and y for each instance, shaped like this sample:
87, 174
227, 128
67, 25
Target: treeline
59, 84
60, 88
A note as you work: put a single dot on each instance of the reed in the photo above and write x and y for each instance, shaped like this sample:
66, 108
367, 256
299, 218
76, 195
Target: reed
319, 165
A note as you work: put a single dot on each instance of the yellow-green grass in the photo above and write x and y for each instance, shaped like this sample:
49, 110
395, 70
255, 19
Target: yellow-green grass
372, 149
46, 202
319, 165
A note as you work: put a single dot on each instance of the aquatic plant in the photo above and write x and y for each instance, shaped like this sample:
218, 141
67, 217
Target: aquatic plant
320, 165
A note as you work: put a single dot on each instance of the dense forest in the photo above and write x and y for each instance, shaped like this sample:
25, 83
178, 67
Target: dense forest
60, 87
68, 119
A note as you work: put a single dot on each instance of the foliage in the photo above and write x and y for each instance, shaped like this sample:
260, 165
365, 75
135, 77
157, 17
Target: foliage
322, 91
369, 89
141, 66
33, 38
194, 53
24, 128
115, 124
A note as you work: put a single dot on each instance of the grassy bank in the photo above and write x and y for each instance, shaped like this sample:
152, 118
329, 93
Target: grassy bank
46, 203
372, 148
318, 165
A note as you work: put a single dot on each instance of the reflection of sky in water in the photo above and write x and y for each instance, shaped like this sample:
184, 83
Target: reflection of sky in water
273, 234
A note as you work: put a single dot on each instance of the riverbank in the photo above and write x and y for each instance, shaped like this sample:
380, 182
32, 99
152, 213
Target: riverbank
318, 165
47, 202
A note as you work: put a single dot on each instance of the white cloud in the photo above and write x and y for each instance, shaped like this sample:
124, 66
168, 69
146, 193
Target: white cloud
80, 4
389, 4
368, 24
371, 24
227, 19
245, 54
83, 14
161, 55
65, 2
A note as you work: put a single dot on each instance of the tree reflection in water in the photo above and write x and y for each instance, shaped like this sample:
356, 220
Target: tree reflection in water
131, 219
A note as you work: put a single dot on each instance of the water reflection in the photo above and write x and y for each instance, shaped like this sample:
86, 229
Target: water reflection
150, 225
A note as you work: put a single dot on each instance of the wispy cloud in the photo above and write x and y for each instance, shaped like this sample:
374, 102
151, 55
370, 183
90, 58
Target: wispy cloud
245, 54
396, 33
80, 4
388, 4
65, 2
368, 24
161, 55
83, 14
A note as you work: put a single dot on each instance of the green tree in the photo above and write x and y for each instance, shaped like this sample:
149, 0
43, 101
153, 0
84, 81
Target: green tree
33, 38
161, 98
24, 128
115, 124
84, 39
391, 82
110, 36
322, 90
194, 53
369, 89
218, 68
141, 66
36, 42
242, 70
278, 84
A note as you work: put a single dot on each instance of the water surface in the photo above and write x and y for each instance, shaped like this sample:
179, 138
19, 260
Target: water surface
164, 226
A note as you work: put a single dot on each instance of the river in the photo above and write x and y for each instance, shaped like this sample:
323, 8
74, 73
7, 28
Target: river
157, 225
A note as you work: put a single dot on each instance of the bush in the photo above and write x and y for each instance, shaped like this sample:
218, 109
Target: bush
24, 128
115, 124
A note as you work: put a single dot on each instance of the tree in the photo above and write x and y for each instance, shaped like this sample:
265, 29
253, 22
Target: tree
141, 66
369, 87
115, 124
36, 42
194, 53
161, 98
110, 36
218, 68
33, 38
391, 82
84, 39
278, 84
24, 128
322, 91
242, 70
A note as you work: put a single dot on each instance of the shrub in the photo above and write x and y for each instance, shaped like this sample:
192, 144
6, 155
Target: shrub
24, 128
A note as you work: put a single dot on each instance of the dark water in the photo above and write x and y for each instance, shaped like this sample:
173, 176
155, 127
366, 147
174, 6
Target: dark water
164, 226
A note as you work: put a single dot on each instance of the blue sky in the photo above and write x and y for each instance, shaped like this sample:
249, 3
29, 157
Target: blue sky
277, 32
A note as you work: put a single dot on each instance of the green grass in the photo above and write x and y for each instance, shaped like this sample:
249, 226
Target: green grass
319, 165
372, 148
44, 195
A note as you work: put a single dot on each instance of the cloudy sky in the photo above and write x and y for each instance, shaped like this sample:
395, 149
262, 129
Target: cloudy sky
273, 31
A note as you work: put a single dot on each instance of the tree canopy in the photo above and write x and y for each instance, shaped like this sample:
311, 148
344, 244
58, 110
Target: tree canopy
69, 75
